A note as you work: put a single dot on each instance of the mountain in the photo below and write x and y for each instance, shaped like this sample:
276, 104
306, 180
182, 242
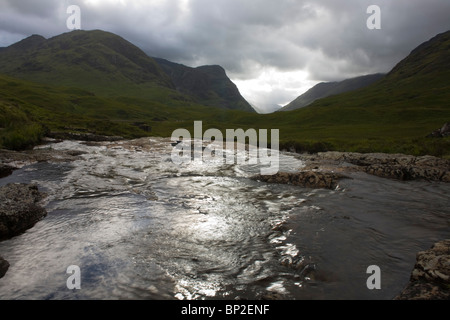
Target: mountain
394, 114
209, 85
108, 65
326, 89
93, 60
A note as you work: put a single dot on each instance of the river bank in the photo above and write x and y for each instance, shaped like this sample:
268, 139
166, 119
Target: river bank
323, 170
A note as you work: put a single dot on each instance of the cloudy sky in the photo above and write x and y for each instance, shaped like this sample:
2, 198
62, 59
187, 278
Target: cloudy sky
274, 50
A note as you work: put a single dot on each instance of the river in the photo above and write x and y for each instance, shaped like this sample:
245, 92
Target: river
141, 227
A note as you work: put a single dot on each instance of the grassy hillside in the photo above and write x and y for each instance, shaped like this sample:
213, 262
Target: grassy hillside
208, 85
392, 115
97, 61
44, 108
327, 89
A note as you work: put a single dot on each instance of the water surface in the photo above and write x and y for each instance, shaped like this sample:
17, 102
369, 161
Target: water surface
140, 227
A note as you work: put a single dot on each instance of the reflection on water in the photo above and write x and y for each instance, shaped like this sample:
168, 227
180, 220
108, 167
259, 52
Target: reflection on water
141, 227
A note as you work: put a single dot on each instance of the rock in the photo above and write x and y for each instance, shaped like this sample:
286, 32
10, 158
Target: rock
307, 179
430, 278
395, 166
15, 159
4, 265
6, 170
81, 136
442, 132
445, 130
19, 209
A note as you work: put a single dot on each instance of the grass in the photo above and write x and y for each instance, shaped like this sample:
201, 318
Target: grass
393, 115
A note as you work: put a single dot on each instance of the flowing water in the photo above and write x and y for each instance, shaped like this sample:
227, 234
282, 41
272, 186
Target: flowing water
141, 227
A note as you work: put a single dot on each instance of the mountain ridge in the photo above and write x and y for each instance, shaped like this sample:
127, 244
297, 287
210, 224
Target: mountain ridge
107, 64
326, 89
393, 115
208, 84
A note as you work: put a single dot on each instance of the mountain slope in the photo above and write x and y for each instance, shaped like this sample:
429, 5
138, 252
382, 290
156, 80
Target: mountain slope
326, 89
392, 115
209, 85
110, 66
98, 61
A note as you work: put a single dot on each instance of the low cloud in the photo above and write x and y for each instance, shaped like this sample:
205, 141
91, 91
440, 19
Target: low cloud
322, 40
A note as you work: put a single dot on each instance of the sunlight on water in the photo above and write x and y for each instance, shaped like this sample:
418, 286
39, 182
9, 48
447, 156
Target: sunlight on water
141, 227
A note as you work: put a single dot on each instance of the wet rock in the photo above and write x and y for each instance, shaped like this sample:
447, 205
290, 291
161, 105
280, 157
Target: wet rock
19, 209
430, 278
4, 265
6, 170
16, 159
81, 136
307, 179
395, 166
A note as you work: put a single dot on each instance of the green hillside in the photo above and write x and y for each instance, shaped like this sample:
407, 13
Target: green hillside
208, 85
97, 61
394, 114
327, 89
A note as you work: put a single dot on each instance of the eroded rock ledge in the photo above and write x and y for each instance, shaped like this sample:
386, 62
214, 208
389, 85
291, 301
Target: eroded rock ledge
307, 179
13, 160
430, 278
395, 166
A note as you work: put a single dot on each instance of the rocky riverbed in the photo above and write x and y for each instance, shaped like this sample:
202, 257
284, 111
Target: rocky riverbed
20, 203
430, 278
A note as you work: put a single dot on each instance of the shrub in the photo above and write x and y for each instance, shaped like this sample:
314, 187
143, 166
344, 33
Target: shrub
22, 137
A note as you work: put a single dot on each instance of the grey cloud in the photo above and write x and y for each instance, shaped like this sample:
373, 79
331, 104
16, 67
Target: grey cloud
328, 38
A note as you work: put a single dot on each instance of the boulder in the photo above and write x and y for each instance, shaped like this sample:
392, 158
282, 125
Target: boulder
4, 265
19, 209
442, 132
6, 170
430, 278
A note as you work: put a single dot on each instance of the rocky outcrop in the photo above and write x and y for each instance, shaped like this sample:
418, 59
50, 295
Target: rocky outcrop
4, 265
430, 278
395, 166
19, 209
442, 132
12, 160
307, 179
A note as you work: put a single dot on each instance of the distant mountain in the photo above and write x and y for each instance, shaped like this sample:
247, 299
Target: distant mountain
326, 89
108, 65
209, 85
266, 108
394, 114
98, 61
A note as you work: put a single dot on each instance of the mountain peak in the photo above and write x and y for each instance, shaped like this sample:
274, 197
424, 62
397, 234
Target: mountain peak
85, 59
29, 43
209, 85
